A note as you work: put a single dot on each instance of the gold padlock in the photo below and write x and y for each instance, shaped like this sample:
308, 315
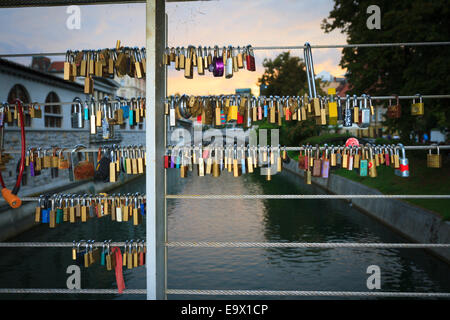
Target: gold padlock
417, 109
434, 160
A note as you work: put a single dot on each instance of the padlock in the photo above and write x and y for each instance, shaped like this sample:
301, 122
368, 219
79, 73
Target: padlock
394, 111
355, 110
332, 107
371, 164
217, 63
364, 116
200, 62
77, 115
188, 65
68, 67
325, 164
182, 58
434, 160
228, 63
417, 109
348, 121
166, 57
363, 166
250, 59
35, 112
403, 170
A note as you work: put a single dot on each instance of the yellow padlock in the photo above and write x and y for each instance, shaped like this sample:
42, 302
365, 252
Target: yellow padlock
417, 109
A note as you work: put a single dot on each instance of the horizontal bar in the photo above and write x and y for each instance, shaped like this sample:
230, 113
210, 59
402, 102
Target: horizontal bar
209, 244
206, 244
71, 291
355, 45
309, 293
18, 55
426, 96
60, 244
69, 103
263, 147
430, 147
327, 46
232, 292
53, 3
68, 149
442, 147
304, 196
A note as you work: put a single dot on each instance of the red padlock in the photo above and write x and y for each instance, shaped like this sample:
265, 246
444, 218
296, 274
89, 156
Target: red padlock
250, 59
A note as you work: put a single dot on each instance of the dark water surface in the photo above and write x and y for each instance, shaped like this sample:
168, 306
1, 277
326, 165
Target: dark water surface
340, 269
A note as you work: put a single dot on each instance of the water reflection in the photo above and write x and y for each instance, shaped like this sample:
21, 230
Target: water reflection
236, 268
285, 221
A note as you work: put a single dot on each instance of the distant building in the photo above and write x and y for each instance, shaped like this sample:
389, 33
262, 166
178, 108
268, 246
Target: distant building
245, 91
130, 87
329, 81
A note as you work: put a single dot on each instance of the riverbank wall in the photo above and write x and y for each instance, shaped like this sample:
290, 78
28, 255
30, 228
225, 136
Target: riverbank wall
413, 223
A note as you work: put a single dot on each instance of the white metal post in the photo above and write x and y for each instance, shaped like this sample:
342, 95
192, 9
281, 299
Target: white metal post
155, 94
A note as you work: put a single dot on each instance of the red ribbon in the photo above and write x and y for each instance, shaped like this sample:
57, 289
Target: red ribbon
118, 269
404, 167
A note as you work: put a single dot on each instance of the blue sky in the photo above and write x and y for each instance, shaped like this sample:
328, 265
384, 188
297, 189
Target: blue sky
224, 22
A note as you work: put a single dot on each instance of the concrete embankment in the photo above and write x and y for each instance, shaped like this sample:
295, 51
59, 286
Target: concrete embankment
15, 221
414, 223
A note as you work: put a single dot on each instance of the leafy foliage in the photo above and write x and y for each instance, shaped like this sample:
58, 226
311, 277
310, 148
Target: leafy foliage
401, 70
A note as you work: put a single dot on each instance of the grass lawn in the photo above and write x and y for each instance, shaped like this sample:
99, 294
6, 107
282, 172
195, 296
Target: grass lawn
422, 180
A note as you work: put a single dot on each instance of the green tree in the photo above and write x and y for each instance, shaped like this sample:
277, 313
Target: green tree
398, 70
283, 76
286, 76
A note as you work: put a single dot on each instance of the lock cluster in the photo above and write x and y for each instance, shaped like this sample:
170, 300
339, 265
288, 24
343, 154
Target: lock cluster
242, 109
221, 62
102, 116
104, 63
86, 252
317, 162
239, 160
105, 165
56, 209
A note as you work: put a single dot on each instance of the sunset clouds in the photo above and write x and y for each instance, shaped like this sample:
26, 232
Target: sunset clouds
224, 22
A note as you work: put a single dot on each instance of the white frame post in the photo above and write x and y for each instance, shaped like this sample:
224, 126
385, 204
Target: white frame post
155, 146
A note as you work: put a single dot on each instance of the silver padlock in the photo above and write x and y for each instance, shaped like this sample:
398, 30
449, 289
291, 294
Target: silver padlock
77, 115
403, 171
229, 63
364, 118
348, 120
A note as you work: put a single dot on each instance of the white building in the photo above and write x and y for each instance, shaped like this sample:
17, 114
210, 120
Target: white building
54, 128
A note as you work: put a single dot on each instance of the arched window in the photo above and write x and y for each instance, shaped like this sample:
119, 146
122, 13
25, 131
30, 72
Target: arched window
18, 91
53, 117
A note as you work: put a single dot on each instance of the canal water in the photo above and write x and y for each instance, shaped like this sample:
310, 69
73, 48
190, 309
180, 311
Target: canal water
339, 269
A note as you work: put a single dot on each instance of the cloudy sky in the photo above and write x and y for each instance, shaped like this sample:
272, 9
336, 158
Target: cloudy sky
221, 22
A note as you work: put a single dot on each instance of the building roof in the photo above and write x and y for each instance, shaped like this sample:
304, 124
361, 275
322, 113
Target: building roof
40, 76
56, 66
11, 67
